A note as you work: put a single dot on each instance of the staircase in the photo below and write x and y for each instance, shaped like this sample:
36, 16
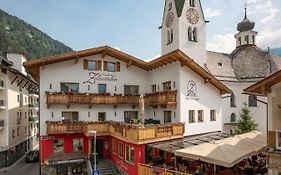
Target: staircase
106, 167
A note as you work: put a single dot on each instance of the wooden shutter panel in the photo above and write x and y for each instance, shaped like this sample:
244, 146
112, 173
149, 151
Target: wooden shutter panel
105, 65
117, 66
99, 65
85, 64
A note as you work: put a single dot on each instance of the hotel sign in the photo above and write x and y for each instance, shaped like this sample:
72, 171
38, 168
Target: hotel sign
96, 76
191, 91
59, 162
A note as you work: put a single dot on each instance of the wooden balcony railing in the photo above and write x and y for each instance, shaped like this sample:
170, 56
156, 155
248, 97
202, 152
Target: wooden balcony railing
121, 130
90, 99
151, 170
163, 99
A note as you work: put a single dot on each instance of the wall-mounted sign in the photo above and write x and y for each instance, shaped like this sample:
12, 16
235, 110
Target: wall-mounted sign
191, 91
96, 76
58, 162
47, 138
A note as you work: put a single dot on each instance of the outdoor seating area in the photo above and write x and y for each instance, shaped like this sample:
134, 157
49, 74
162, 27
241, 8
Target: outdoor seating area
170, 155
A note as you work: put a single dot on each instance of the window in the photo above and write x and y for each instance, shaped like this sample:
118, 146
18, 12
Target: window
130, 154
70, 87
239, 40
120, 150
50, 86
13, 133
191, 3
70, 116
232, 101
131, 90
200, 116
233, 117
253, 38
113, 146
191, 115
213, 115
189, 34
168, 37
153, 88
130, 115
170, 6
92, 65
278, 140
111, 67
102, 88
167, 116
89, 114
18, 98
167, 86
78, 144
58, 146
172, 35
18, 130
101, 116
253, 101
195, 34
247, 39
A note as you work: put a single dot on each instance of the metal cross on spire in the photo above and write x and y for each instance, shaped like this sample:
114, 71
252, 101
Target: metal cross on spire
245, 11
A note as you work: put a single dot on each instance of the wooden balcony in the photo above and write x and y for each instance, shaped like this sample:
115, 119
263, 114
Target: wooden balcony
150, 170
162, 99
121, 130
91, 99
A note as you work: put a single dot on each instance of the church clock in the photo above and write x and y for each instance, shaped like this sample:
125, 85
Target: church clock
169, 19
192, 16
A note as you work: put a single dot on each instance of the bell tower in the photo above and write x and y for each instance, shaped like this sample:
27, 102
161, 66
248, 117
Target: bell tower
184, 28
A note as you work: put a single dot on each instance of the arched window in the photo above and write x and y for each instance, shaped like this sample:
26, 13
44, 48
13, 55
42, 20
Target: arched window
239, 40
253, 101
172, 36
233, 117
247, 39
168, 37
191, 3
189, 34
253, 38
195, 34
232, 101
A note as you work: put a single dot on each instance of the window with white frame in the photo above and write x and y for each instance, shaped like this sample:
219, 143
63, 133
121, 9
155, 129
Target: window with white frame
200, 116
130, 154
212, 115
58, 146
120, 150
78, 144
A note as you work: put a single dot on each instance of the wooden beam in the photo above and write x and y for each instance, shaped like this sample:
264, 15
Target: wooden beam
206, 80
104, 53
25, 84
76, 59
20, 82
129, 63
14, 79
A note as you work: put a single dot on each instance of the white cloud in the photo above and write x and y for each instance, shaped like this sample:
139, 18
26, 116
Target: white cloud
209, 12
269, 38
222, 43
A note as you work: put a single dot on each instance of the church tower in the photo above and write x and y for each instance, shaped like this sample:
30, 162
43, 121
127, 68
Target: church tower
246, 35
184, 28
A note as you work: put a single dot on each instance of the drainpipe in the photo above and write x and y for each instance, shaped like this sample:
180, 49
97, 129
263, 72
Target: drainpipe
266, 103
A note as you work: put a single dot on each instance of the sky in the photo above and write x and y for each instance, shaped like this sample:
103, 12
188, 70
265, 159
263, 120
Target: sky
132, 25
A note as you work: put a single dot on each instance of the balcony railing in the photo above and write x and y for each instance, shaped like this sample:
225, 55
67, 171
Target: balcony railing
151, 170
1, 124
146, 134
33, 119
91, 99
33, 105
163, 99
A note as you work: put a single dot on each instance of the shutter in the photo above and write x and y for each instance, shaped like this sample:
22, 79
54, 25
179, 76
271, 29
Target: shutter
105, 65
117, 66
85, 64
99, 65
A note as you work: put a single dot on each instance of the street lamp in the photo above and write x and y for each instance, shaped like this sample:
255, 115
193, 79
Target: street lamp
95, 154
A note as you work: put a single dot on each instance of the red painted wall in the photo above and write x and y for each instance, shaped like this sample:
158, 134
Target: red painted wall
46, 149
121, 163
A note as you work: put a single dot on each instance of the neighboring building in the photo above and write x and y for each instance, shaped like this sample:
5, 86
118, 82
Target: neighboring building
18, 129
184, 28
270, 87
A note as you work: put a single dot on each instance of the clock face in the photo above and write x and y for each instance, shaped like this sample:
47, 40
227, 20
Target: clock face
169, 19
192, 16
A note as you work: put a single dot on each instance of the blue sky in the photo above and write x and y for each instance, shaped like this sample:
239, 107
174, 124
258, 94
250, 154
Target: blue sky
132, 25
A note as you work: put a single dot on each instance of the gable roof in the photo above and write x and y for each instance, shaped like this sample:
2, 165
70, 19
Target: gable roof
33, 66
263, 87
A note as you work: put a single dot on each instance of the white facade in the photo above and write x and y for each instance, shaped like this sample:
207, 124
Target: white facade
179, 77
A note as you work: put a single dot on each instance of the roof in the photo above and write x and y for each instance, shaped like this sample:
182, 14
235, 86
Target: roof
177, 55
263, 87
245, 64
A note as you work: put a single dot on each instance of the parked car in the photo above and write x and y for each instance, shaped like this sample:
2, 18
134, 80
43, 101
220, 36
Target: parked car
32, 156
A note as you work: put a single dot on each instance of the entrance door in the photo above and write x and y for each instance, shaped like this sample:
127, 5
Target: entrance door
101, 116
99, 148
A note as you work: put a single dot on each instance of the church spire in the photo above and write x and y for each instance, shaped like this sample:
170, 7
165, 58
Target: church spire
245, 11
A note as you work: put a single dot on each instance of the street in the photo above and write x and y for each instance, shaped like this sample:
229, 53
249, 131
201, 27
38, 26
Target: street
21, 168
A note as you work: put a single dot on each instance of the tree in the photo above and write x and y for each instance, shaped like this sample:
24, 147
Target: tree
245, 123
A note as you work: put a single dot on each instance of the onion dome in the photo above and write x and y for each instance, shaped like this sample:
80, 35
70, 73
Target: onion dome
246, 24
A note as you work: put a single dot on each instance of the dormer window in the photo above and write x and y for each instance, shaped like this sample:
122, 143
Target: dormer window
191, 3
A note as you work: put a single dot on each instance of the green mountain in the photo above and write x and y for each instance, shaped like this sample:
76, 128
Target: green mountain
276, 51
19, 36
